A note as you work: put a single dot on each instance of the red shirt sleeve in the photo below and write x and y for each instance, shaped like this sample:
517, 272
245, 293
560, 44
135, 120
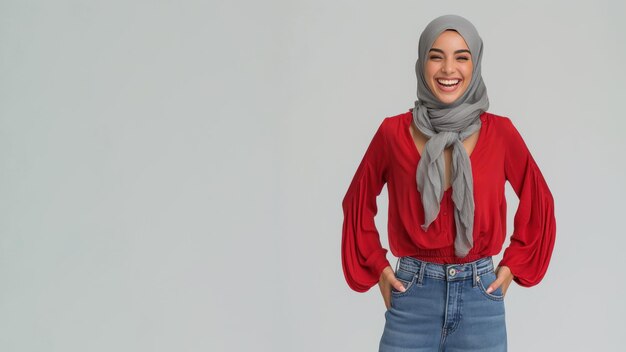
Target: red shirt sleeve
532, 241
362, 256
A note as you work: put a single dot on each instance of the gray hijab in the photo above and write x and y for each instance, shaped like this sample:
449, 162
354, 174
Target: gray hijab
448, 125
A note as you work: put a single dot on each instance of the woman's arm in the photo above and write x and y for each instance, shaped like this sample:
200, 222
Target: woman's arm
534, 233
362, 255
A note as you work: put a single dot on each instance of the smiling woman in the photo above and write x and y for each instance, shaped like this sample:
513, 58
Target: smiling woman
447, 210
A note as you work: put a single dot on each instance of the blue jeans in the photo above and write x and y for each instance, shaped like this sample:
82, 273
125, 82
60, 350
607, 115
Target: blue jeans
445, 308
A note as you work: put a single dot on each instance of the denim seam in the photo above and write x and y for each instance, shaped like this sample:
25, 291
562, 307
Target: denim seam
458, 310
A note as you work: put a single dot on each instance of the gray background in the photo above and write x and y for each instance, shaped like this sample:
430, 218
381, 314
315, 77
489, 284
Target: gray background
172, 171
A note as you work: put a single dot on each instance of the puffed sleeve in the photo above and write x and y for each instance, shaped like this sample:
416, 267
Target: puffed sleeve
534, 233
362, 256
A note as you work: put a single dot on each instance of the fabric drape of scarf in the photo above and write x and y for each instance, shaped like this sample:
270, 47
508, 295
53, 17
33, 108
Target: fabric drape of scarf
448, 125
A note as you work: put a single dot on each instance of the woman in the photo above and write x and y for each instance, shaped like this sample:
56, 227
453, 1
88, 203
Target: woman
445, 163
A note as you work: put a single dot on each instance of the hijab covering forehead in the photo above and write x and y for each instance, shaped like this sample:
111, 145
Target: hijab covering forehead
448, 125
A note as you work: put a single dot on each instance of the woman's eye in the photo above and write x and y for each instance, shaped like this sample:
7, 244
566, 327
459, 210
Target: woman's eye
463, 58
435, 57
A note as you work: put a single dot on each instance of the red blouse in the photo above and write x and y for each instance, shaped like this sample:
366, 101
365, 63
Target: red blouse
499, 155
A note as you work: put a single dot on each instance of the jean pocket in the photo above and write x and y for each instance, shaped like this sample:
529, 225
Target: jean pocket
407, 278
486, 279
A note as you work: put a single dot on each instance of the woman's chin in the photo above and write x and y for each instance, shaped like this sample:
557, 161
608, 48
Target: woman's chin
449, 98
446, 99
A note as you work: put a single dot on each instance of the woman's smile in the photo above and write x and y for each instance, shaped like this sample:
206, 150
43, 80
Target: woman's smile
448, 85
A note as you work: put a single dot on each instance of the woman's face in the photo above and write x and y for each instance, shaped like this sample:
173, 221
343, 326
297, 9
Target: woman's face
448, 67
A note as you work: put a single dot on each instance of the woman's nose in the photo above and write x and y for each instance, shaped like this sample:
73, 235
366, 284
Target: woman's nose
447, 66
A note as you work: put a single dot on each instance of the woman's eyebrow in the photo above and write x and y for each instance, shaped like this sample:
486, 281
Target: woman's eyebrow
456, 52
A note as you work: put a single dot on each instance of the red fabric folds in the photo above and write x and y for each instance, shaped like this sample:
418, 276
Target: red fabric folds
532, 241
363, 256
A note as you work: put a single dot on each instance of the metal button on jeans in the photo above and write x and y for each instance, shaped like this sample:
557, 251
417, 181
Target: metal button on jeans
452, 271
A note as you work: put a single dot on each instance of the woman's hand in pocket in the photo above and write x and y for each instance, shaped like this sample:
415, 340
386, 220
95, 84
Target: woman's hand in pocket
386, 281
504, 278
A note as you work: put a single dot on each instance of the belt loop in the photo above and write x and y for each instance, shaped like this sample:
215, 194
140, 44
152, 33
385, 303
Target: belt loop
397, 262
474, 274
420, 274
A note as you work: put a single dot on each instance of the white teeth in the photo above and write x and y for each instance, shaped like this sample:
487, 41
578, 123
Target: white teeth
448, 82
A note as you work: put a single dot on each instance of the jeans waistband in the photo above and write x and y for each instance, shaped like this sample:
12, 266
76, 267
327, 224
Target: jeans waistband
448, 272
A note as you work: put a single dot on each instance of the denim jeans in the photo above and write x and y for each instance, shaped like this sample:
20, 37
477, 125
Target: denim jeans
445, 308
